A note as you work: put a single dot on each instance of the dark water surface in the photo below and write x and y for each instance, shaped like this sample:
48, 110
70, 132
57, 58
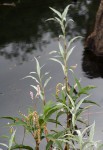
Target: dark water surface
25, 34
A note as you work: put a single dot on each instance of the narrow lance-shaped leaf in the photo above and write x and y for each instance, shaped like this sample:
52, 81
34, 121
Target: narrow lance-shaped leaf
11, 139
80, 102
33, 72
4, 145
50, 112
59, 21
81, 121
5, 136
37, 66
21, 147
86, 129
78, 83
46, 82
54, 121
92, 130
79, 137
55, 11
52, 52
71, 100
69, 52
73, 119
46, 73
73, 39
58, 62
47, 107
32, 78
34, 87
10, 118
50, 19
64, 106
49, 144
57, 56
59, 114
59, 144
91, 102
61, 50
65, 12
86, 89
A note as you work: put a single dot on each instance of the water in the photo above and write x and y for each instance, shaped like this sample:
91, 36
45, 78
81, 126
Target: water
25, 34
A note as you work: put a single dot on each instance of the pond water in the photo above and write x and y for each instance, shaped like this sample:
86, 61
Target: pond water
25, 34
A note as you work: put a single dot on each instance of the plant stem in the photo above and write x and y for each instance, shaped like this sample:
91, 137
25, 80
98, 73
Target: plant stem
23, 136
67, 88
37, 146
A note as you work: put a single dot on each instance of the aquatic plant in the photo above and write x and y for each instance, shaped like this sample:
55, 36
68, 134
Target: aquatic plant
69, 104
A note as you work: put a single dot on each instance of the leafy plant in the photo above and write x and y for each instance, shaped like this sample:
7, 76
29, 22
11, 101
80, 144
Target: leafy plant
69, 104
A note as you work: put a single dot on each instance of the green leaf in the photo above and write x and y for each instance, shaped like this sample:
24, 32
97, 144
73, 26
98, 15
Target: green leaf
32, 78
34, 87
86, 89
69, 53
73, 39
71, 100
52, 52
80, 102
54, 121
17, 122
79, 112
73, 119
59, 144
5, 136
12, 139
54, 59
62, 105
79, 138
86, 129
65, 12
37, 67
59, 21
59, 114
46, 82
51, 111
49, 144
21, 146
91, 102
33, 73
4, 145
92, 130
81, 121
56, 12
78, 83
61, 50
47, 107
50, 19
59, 134
10, 118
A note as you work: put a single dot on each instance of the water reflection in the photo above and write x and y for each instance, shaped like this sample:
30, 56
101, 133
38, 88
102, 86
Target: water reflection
92, 65
23, 28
